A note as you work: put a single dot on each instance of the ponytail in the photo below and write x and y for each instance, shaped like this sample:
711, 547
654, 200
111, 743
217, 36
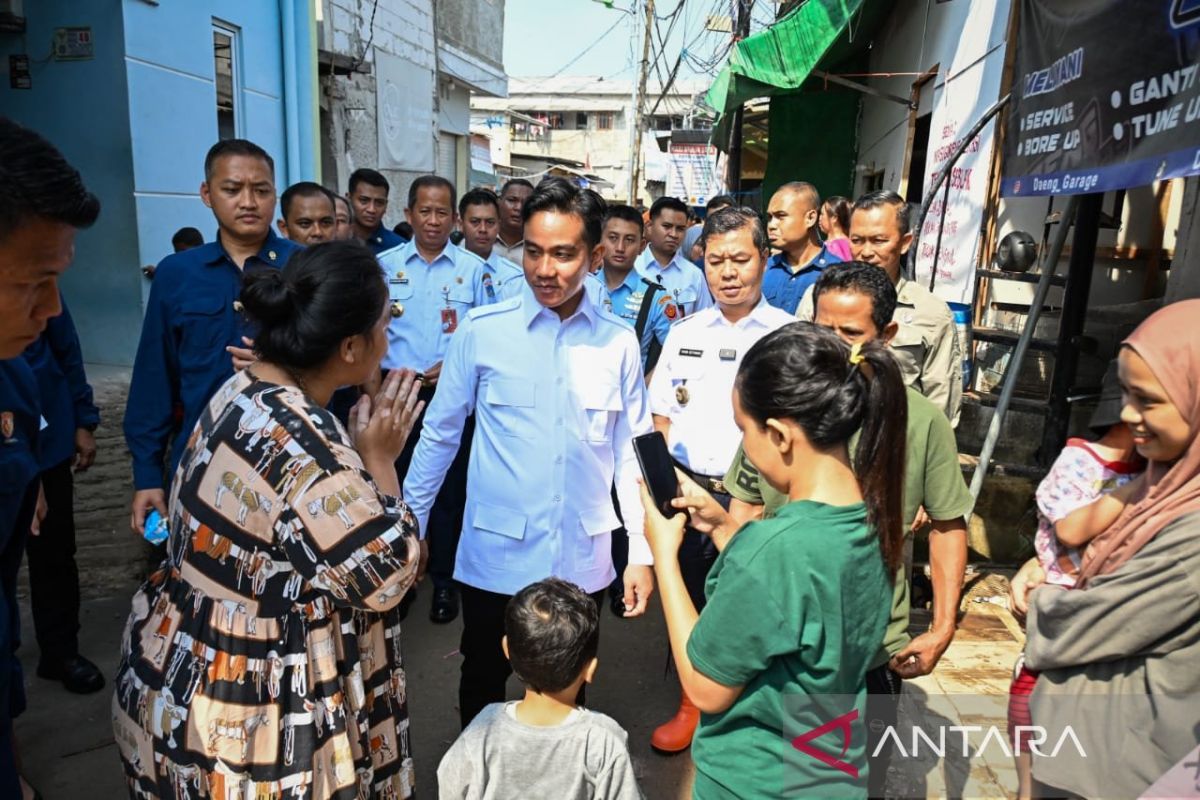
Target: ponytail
805, 373
880, 458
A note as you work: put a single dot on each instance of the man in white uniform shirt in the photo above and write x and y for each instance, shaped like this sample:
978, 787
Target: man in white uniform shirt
663, 261
556, 386
691, 393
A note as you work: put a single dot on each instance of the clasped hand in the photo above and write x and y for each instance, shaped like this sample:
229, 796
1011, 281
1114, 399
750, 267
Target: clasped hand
380, 426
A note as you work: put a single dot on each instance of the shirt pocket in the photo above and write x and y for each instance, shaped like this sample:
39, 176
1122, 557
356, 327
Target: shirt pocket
685, 297
400, 291
502, 521
600, 404
909, 348
461, 297
510, 404
204, 329
595, 523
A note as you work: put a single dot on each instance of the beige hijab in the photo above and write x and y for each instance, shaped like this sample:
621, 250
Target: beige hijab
1169, 342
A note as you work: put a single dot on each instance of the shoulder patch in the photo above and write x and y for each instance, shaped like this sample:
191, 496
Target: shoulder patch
494, 308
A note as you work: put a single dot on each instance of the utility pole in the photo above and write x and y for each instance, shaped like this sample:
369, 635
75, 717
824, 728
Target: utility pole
734, 164
635, 161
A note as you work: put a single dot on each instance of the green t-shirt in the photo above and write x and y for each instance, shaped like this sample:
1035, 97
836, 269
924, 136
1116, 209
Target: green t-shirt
932, 478
797, 606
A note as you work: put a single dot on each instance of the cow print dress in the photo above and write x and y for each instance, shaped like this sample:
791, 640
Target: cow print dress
263, 658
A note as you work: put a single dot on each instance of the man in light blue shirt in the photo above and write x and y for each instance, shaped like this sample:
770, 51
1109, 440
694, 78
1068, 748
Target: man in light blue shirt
556, 385
433, 284
663, 262
479, 221
645, 306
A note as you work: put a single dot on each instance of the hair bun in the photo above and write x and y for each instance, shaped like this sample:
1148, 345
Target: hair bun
267, 297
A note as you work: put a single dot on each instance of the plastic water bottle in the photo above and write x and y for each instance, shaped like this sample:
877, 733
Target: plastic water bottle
962, 322
156, 528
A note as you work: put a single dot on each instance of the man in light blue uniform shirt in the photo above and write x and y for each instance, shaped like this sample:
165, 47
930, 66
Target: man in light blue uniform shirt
433, 284
479, 221
623, 291
664, 262
556, 384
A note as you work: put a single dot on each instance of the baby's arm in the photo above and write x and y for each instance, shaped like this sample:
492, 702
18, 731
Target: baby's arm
1087, 522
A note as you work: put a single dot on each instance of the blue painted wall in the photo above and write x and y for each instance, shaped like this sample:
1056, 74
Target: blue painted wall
137, 120
81, 106
172, 110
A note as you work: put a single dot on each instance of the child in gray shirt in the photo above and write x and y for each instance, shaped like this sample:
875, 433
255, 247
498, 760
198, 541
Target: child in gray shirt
543, 746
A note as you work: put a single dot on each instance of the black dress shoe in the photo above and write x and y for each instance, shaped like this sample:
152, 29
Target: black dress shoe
445, 606
77, 674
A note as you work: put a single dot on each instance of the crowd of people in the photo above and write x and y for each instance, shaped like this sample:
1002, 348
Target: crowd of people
325, 414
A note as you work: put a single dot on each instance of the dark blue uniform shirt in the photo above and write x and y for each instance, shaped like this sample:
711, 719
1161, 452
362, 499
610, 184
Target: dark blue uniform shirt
383, 239
66, 397
190, 320
20, 421
20, 424
784, 288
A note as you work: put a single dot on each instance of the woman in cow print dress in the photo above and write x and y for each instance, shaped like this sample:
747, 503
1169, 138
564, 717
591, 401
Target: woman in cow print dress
263, 658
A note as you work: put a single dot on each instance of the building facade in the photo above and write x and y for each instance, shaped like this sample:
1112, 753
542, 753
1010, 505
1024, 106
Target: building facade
580, 125
396, 80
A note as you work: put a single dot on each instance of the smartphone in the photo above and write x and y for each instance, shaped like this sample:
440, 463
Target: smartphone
658, 470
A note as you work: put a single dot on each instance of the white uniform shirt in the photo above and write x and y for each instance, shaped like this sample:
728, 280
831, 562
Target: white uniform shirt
556, 404
683, 280
505, 277
693, 383
433, 299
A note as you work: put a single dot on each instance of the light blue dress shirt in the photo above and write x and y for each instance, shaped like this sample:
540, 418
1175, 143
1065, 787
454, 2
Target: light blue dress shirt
433, 299
683, 279
505, 277
557, 404
625, 302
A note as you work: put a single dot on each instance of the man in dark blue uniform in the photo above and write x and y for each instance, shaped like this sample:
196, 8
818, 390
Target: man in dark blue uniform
42, 203
368, 196
66, 442
193, 336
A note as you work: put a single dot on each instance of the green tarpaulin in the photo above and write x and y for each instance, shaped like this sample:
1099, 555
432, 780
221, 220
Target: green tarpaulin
777, 60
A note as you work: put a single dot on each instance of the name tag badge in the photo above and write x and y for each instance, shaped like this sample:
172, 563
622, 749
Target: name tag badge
727, 355
689, 353
399, 281
449, 320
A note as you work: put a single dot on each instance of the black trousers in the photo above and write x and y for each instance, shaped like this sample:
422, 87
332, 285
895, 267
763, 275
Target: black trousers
446, 516
883, 708
53, 574
485, 670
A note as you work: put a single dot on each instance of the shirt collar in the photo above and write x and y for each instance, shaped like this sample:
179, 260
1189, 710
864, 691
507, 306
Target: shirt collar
632, 282
506, 245
532, 309
755, 317
410, 252
779, 260
650, 263
274, 250
903, 294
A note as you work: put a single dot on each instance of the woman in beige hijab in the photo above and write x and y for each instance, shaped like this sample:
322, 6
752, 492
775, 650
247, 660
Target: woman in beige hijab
1120, 653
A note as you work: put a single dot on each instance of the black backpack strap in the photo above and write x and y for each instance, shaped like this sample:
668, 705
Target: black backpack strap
643, 317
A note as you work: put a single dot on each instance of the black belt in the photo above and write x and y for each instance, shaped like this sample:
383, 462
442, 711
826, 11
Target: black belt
710, 483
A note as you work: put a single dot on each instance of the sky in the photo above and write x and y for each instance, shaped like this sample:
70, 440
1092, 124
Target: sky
542, 37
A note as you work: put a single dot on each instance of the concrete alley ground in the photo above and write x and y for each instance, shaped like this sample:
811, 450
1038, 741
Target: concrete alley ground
67, 743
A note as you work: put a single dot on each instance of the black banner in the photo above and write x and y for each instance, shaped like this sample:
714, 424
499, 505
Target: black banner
1106, 95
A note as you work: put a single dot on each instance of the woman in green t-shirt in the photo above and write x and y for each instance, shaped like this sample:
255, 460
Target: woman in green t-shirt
797, 604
